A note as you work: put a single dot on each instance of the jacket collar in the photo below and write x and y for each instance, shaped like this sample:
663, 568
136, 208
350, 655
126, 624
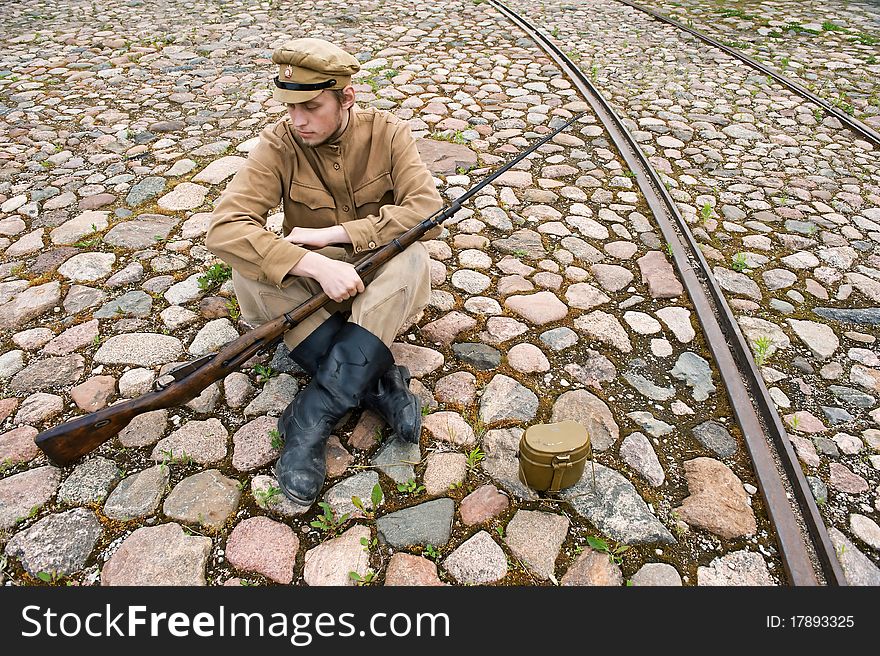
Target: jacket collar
344, 138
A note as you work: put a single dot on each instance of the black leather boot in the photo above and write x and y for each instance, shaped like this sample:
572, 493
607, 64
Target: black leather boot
309, 352
401, 409
352, 365
390, 397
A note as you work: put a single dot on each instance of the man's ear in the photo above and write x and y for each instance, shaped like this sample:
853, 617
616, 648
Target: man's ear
347, 97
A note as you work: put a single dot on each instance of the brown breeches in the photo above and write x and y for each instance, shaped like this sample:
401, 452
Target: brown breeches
399, 289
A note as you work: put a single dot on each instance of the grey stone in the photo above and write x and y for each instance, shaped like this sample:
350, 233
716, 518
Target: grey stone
695, 371
739, 568
818, 488
615, 508
866, 530
737, 283
145, 190
131, 304
360, 485
818, 337
524, 240
142, 349
591, 412
863, 316
397, 459
212, 337
208, 498
90, 482
852, 396
502, 463
252, 444
478, 560
657, 574
716, 438
144, 429
142, 232
605, 328
480, 356
58, 544
138, 495
201, 441
11, 363
268, 495
129, 275
593, 370
185, 291
277, 394
506, 399
559, 339
836, 415
648, 389
49, 372
29, 304
80, 297
424, 524
87, 267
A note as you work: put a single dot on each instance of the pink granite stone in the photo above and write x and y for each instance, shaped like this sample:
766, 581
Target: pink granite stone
264, 546
658, 273
94, 393
447, 328
538, 309
460, 387
17, 445
406, 569
527, 359
482, 504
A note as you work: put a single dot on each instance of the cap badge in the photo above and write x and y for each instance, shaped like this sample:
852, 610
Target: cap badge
288, 72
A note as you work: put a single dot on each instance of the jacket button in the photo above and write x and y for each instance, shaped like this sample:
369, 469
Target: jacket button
345, 208
336, 166
372, 244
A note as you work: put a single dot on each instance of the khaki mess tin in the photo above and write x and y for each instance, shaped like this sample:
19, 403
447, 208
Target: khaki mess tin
552, 456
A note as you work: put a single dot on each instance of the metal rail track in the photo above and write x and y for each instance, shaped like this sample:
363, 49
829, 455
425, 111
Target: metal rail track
852, 123
749, 398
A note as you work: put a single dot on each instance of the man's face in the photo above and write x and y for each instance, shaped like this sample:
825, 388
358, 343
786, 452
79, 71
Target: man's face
318, 119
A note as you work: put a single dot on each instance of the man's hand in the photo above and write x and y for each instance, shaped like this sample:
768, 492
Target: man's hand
318, 237
339, 280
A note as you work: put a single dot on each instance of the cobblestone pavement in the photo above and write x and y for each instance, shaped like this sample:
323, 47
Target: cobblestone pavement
775, 199
553, 299
831, 48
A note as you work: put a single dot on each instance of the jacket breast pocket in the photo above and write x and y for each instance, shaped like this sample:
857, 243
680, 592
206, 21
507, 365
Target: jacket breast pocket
312, 206
373, 194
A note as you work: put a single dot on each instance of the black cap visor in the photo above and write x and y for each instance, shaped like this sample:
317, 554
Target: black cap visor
296, 86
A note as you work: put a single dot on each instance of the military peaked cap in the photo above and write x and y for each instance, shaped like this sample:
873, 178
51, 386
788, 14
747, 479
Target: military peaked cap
308, 66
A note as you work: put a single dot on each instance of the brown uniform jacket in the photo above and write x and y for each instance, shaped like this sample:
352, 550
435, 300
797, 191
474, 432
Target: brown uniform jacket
371, 180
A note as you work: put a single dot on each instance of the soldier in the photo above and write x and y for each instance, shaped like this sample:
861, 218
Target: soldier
349, 181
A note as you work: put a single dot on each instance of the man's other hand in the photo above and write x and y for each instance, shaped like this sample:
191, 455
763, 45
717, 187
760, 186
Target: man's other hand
318, 237
339, 280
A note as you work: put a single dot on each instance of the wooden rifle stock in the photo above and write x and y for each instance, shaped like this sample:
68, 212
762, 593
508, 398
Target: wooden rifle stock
68, 441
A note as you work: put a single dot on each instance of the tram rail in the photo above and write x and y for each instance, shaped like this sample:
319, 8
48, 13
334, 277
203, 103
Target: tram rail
808, 556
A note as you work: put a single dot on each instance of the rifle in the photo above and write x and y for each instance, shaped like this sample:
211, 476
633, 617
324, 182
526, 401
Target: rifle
68, 441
